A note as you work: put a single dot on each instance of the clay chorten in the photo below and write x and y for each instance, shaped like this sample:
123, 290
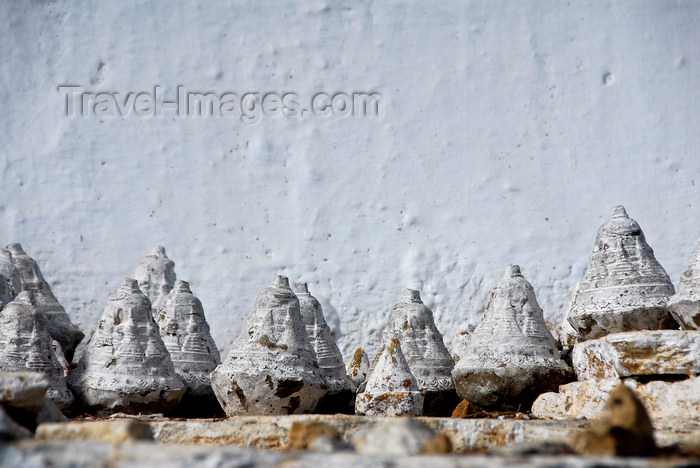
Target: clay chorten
511, 357
186, 335
155, 273
624, 287
271, 368
126, 367
358, 368
26, 345
10, 273
685, 304
60, 326
330, 361
391, 389
412, 323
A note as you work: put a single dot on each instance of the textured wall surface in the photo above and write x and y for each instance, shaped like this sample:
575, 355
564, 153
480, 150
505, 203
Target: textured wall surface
509, 131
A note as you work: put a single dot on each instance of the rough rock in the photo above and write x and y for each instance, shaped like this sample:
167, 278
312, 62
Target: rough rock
391, 388
26, 346
339, 398
401, 436
185, 333
638, 353
10, 273
623, 429
685, 304
303, 433
411, 322
119, 432
358, 368
586, 399
10, 430
624, 288
271, 368
511, 356
126, 367
23, 390
60, 326
155, 274
462, 410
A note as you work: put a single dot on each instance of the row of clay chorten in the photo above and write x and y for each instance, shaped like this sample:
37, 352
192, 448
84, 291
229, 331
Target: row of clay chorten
152, 350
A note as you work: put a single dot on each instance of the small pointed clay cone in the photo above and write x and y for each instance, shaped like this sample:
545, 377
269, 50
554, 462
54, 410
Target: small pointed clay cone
271, 368
10, 273
126, 367
511, 357
624, 287
391, 389
155, 273
340, 396
685, 304
60, 326
25, 345
358, 368
186, 335
411, 322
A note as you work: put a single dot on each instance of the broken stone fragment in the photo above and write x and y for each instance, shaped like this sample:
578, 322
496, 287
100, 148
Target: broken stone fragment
652, 353
271, 368
155, 274
26, 346
23, 390
624, 288
186, 335
511, 356
126, 367
411, 322
685, 304
10, 273
623, 429
358, 368
339, 398
391, 388
664, 400
60, 326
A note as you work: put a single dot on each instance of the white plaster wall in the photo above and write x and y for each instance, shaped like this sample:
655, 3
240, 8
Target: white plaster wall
510, 130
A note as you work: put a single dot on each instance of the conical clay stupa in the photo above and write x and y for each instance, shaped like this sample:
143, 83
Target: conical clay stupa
271, 367
685, 304
60, 326
155, 273
511, 357
126, 367
411, 322
25, 345
186, 335
358, 368
624, 287
391, 389
339, 398
10, 273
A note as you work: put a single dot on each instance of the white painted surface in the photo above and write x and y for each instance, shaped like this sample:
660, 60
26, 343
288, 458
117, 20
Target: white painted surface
510, 130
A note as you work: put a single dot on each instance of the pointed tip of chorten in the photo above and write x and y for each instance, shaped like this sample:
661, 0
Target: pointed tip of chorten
411, 295
130, 285
392, 373
280, 281
158, 251
181, 286
301, 288
15, 248
619, 212
512, 271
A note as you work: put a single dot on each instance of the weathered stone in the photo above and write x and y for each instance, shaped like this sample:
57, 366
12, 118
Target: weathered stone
185, 333
10, 430
59, 324
586, 399
358, 368
339, 398
10, 273
303, 433
623, 429
399, 436
637, 353
119, 432
462, 410
391, 389
624, 287
126, 367
511, 356
271, 368
685, 304
459, 345
411, 322
5, 292
155, 274
26, 346
23, 390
